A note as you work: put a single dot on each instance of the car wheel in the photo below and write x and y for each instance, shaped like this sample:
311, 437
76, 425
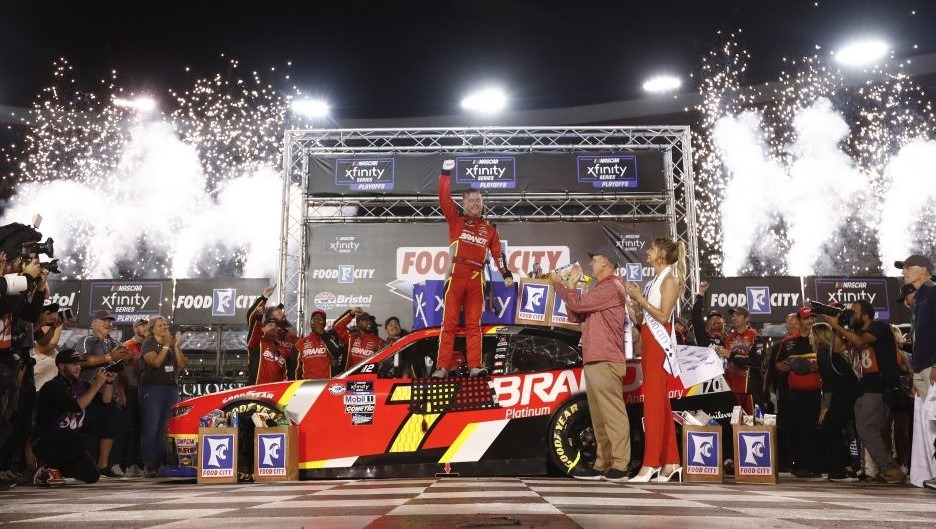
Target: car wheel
571, 438
245, 411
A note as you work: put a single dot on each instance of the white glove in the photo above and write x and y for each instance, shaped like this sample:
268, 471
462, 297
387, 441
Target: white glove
448, 165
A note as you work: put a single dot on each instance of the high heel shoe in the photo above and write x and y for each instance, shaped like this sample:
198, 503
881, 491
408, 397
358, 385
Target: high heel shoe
641, 477
677, 473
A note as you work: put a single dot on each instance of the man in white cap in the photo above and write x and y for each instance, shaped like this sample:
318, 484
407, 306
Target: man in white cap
918, 271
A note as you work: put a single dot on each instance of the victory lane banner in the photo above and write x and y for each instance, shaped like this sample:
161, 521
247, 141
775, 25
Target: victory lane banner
768, 299
880, 292
126, 300
215, 301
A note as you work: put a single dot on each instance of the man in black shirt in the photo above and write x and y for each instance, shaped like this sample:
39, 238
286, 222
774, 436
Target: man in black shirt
60, 412
876, 366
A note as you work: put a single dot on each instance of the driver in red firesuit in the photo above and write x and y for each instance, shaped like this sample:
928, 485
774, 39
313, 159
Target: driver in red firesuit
744, 351
363, 342
271, 353
471, 237
319, 351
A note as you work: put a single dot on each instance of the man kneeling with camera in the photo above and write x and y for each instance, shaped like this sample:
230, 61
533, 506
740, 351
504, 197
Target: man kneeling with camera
60, 412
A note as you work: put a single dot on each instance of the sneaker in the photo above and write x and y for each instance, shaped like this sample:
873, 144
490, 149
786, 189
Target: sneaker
586, 473
843, 476
440, 373
893, 476
134, 471
615, 475
117, 471
54, 477
478, 372
107, 473
929, 484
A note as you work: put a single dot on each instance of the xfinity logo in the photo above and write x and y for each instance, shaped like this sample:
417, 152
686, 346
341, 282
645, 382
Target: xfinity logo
631, 243
605, 171
758, 300
478, 172
486, 173
343, 244
222, 301
370, 174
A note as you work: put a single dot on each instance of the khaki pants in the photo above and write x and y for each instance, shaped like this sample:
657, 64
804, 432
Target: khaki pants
604, 387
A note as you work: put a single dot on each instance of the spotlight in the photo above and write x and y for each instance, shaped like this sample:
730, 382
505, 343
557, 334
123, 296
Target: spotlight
140, 104
486, 101
662, 83
311, 108
862, 53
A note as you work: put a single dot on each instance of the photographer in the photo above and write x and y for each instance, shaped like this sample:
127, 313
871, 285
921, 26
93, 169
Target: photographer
48, 332
103, 418
875, 363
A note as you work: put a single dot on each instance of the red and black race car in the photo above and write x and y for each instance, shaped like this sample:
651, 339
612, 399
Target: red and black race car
386, 418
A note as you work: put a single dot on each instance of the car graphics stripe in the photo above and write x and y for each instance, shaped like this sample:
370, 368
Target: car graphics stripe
473, 441
341, 462
299, 398
413, 432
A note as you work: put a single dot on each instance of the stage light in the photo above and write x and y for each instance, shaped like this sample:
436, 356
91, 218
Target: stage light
862, 53
662, 83
140, 104
311, 108
486, 101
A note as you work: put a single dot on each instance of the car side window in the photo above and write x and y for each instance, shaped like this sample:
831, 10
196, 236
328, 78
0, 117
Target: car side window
540, 353
410, 362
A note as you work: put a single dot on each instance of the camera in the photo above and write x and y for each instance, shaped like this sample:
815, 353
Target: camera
38, 248
843, 316
51, 266
66, 315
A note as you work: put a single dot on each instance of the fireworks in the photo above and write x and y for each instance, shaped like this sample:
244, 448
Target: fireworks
812, 174
191, 191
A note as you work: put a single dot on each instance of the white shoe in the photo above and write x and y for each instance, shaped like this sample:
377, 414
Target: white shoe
117, 470
134, 472
478, 372
440, 373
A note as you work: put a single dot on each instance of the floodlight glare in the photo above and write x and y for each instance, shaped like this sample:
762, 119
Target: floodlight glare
487, 101
140, 104
862, 53
662, 83
312, 108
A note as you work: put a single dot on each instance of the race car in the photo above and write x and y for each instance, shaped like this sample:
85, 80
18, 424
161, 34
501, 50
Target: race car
387, 418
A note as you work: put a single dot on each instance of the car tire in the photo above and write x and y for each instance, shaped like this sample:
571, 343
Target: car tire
245, 432
571, 439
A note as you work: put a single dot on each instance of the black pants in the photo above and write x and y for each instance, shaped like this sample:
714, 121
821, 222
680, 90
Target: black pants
840, 413
127, 442
804, 411
68, 452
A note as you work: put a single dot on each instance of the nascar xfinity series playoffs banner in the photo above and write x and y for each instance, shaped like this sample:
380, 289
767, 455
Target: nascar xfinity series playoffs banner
376, 266
530, 172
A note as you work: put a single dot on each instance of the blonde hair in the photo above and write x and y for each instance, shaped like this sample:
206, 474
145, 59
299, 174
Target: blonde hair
152, 324
821, 336
675, 254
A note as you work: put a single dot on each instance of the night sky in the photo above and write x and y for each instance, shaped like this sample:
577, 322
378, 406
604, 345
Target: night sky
398, 59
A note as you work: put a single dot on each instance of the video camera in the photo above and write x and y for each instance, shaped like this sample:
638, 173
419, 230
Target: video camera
37, 248
842, 316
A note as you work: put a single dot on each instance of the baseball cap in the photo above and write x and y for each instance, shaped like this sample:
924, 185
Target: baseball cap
140, 321
608, 253
915, 260
682, 321
905, 291
318, 312
67, 356
805, 312
51, 307
740, 310
103, 314
365, 316
714, 313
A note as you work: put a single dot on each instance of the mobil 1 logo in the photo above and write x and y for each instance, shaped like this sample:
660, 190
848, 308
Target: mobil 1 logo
369, 174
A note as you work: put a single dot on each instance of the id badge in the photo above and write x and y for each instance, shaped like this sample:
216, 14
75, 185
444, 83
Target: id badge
169, 369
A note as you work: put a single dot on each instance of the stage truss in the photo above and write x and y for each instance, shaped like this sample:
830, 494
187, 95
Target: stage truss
676, 205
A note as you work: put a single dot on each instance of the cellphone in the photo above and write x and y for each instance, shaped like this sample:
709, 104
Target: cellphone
114, 367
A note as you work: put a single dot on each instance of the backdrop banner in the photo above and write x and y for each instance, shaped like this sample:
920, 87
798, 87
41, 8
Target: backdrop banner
768, 299
499, 304
407, 174
215, 301
881, 292
126, 300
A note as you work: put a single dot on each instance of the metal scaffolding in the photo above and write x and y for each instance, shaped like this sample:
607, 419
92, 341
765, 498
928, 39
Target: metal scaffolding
676, 205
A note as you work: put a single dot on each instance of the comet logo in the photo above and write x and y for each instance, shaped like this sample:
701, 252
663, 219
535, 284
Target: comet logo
271, 446
218, 450
755, 447
702, 449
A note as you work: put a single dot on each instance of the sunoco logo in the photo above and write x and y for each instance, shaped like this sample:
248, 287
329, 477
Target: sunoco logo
608, 171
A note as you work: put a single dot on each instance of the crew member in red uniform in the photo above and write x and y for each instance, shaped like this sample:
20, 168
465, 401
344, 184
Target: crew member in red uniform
271, 353
318, 351
471, 237
744, 351
363, 342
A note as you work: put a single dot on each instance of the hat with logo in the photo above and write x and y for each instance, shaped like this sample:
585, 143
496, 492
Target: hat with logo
268, 316
608, 253
714, 312
365, 317
915, 260
51, 307
140, 321
905, 291
740, 310
103, 314
67, 356
805, 313
318, 312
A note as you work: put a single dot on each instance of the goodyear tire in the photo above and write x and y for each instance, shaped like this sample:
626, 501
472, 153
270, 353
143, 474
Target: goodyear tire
245, 432
570, 438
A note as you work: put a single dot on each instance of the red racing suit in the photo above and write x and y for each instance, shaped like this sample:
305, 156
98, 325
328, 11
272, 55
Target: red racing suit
361, 345
315, 360
470, 240
743, 373
268, 360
